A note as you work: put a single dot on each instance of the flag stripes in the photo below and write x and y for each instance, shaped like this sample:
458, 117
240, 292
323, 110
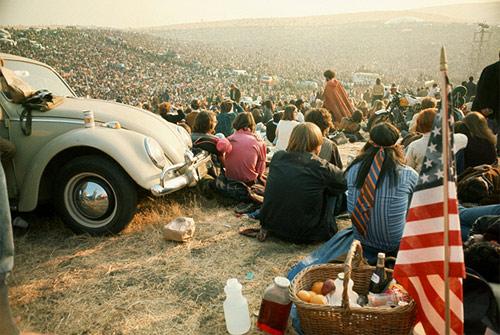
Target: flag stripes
429, 226
434, 195
429, 241
424, 290
431, 210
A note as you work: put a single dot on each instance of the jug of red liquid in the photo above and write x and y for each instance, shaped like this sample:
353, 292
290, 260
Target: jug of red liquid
275, 307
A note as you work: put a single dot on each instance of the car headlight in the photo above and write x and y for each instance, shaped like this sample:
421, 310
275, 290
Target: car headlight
155, 152
186, 138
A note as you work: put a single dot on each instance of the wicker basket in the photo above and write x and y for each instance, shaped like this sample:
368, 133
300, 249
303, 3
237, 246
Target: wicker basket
345, 320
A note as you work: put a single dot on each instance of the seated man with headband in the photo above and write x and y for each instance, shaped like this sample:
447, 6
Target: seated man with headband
380, 187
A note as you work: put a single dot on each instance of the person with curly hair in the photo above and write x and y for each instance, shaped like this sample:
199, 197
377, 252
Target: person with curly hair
323, 119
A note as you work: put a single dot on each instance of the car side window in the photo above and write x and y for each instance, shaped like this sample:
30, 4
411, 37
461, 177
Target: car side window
4, 90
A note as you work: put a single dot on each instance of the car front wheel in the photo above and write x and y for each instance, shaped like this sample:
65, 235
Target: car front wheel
94, 195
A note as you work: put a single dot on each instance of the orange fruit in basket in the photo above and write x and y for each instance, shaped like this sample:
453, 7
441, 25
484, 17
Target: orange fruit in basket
317, 286
319, 299
304, 295
312, 293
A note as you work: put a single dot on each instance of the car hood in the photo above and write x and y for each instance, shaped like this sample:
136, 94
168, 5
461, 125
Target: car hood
131, 118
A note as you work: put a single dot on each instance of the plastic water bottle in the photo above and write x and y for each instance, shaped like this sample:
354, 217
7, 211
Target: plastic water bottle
339, 288
236, 308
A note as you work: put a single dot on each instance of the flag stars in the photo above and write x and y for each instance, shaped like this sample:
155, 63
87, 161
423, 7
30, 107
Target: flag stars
436, 131
432, 148
424, 178
428, 163
439, 174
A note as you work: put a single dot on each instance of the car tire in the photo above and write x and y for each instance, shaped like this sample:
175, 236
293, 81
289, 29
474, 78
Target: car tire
95, 196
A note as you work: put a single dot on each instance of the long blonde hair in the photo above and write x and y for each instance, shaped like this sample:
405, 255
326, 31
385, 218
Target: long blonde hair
478, 127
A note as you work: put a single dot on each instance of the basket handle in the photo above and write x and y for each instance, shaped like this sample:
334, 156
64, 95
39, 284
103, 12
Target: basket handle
356, 251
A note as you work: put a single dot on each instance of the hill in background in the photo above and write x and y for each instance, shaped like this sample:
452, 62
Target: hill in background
402, 46
488, 12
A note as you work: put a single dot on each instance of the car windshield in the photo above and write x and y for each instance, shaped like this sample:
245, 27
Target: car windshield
39, 77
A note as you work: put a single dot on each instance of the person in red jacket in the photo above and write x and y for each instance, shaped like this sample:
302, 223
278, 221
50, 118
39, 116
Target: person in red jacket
335, 98
246, 162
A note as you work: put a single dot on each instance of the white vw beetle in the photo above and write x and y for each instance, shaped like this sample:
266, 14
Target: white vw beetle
92, 175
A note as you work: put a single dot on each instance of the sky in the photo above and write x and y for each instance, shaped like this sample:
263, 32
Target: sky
147, 13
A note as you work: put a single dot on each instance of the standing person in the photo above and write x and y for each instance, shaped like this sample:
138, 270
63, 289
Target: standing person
471, 89
285, 127
377, 91
487, 100
480, 147
301, 191
235, 93
247, 160
335, 98
367, 95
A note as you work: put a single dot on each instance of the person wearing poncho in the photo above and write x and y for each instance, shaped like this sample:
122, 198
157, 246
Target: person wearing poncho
335, 98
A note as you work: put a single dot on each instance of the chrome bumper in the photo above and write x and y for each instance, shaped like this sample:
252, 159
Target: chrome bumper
178, 176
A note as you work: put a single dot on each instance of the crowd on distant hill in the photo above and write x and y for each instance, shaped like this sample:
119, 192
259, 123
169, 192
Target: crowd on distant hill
138, 68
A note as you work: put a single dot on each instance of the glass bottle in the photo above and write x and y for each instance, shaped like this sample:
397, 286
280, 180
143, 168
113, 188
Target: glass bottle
275, 307
378, 281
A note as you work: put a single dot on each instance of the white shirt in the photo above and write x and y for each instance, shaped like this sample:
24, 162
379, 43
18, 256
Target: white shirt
300, 117
433, 91
415, 152
283, 132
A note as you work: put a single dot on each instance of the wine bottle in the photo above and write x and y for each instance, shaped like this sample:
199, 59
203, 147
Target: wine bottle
378, 281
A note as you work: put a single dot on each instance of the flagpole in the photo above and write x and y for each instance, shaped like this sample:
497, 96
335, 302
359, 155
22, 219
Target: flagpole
445, 146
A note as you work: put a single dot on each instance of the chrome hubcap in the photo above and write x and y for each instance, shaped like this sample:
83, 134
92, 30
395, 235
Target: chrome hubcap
90, 200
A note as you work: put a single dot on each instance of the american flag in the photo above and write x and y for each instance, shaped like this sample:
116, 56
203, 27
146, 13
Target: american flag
421, 257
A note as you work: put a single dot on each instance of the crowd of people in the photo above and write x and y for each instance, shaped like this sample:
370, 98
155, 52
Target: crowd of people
146, 69
297, 194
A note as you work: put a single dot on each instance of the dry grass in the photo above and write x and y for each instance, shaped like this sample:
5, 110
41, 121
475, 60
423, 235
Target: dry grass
138, 283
